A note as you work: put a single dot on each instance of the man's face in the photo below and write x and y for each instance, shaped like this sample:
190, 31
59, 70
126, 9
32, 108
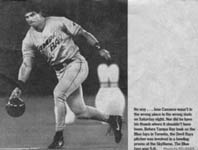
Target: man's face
33, 18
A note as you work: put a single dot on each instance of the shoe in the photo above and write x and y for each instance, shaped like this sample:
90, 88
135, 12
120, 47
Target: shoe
115, 123
57, 143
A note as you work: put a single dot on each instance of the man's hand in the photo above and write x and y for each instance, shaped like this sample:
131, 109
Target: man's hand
105, 53
16, 93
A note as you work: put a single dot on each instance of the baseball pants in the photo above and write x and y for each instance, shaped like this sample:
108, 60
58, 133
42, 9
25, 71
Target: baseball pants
69, 90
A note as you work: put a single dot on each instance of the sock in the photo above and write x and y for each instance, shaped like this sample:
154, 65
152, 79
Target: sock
59, 133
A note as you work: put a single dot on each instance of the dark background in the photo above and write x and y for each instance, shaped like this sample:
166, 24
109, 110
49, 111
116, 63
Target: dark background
106, 19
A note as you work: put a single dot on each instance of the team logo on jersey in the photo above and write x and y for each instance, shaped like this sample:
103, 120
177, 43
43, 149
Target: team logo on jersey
50, 44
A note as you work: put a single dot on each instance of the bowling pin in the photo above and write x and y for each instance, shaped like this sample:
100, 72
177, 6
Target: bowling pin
117, 98
102, 97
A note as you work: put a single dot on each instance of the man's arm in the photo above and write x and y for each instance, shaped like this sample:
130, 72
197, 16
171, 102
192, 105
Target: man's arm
90, 38
94, 42
23, 76
25, 69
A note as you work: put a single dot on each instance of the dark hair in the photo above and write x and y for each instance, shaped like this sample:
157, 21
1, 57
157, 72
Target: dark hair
33, 6
37, 7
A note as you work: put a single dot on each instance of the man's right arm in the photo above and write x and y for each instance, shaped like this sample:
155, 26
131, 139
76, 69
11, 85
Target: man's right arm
23, 76
26, 66
25, 69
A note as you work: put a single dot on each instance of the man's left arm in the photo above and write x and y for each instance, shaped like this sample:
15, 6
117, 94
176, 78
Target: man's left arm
95, 43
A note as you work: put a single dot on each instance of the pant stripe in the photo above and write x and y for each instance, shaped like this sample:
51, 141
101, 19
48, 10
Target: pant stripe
74, 78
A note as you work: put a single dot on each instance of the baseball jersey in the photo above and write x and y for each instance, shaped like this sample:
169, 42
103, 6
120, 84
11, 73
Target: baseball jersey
55, 42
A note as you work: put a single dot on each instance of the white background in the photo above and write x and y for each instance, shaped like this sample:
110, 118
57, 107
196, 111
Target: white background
163, 57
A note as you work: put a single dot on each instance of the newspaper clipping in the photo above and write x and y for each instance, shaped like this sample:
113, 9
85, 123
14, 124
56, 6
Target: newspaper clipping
163, 74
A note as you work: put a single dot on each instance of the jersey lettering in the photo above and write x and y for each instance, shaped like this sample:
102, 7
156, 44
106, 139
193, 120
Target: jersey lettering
50, 44
56, 43
45, 44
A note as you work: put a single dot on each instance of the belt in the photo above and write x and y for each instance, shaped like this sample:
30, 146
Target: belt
60, 66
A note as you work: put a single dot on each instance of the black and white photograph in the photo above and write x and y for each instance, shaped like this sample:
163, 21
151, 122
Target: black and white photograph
64, 74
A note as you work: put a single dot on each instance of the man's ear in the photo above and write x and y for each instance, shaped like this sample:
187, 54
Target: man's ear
43, 13
40, 13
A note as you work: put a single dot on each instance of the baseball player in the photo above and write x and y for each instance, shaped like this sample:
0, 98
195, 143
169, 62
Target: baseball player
53, 38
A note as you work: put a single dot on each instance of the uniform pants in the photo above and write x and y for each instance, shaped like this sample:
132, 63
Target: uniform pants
69, 90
